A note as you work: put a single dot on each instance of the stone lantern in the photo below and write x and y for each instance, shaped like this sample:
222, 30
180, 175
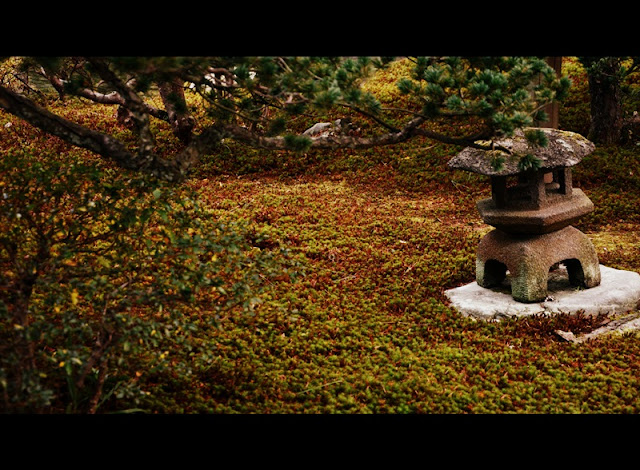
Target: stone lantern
532, 212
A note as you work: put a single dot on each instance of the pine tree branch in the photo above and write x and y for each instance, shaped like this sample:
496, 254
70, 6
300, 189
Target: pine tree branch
373, 117
133, 103
106, 145
68, 131
114, 97
330, 142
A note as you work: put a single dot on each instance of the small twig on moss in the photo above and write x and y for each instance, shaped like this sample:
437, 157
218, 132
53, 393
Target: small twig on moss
350, 276
320, 386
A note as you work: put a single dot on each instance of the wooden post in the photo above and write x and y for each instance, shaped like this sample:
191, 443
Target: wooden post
552, 109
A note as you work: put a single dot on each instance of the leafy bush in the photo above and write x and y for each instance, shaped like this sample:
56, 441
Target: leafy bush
102, 277
575, 109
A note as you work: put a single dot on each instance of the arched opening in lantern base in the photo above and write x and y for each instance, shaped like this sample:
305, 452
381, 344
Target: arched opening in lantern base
561, 275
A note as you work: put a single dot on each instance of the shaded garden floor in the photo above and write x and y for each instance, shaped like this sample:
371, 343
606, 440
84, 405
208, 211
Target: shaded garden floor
367, 329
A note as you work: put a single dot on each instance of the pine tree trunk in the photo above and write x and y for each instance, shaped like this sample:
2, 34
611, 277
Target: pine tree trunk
172, 94
606, 108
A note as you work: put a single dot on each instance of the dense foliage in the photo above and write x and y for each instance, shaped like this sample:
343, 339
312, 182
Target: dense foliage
104, 273
257, 100
375, 236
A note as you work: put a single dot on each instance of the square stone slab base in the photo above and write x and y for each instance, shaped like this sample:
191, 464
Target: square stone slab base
618, 292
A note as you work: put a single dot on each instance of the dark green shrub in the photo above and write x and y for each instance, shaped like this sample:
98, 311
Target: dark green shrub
107, 277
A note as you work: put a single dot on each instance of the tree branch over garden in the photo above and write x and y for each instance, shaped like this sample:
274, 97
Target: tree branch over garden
255, 100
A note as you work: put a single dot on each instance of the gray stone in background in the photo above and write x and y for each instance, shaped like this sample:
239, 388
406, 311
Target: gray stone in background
618, 292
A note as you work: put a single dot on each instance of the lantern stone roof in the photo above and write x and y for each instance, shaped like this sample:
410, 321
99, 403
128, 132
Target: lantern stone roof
564, 149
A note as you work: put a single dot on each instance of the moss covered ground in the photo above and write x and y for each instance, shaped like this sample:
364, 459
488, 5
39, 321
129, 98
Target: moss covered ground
380, 235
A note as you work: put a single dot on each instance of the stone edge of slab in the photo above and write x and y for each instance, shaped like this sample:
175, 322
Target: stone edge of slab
618, 292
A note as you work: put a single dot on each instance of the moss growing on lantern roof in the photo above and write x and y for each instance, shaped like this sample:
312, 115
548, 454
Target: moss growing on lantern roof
564, 149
